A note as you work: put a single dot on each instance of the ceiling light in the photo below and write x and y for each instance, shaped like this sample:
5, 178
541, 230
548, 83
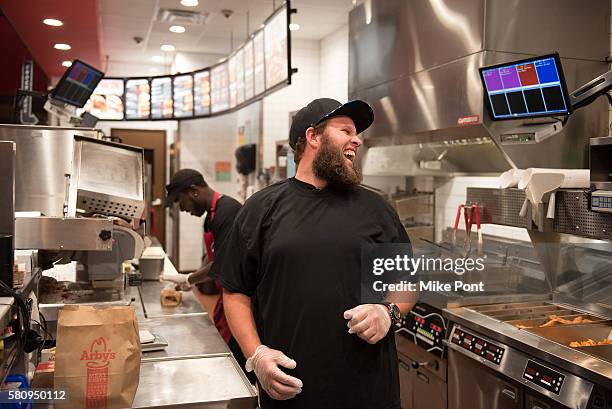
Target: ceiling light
53, 22
189, 3
158, 58
294, 26
66, 63
61, 46
177, 29
167, 47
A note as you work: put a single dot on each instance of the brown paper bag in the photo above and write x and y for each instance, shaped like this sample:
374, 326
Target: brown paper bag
97, 359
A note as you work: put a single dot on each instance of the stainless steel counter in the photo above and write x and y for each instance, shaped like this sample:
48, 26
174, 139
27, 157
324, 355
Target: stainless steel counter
188, 336
211, 382
150, 295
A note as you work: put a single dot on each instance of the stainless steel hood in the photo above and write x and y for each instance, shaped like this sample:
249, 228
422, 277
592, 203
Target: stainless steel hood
416, 62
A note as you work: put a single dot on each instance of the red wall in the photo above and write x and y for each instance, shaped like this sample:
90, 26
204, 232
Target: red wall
14, 53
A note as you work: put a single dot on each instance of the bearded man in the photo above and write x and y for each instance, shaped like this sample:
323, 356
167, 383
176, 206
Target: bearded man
291, 274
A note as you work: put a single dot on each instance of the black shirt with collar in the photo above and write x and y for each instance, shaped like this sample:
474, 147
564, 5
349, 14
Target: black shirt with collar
295, 250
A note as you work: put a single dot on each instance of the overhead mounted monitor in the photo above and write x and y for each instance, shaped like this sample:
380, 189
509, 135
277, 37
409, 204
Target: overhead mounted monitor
529, 88
77, 84
137, 98
106, 101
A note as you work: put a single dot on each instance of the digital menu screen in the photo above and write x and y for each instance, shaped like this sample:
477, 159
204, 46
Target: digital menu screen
526, 88
106, 101
249, 85
275, 44
219, 88
183, 96
232, 81
161, 98
137, 99
201, 93
239, 76
258, 64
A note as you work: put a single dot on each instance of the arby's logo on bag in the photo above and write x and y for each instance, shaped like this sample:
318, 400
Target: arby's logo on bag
99, 354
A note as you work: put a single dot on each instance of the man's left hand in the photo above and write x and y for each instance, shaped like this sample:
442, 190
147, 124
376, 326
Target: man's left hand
370, 322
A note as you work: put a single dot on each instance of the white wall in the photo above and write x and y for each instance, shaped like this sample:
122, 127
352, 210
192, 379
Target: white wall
334, 65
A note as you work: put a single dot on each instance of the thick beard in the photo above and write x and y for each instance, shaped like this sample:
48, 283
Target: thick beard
329, 164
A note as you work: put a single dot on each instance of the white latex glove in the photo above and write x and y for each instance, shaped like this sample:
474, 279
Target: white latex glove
265, 362
370, 322
175, 278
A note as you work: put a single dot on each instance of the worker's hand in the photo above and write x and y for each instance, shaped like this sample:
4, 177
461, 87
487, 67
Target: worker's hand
370, 322
265, 362
175, 278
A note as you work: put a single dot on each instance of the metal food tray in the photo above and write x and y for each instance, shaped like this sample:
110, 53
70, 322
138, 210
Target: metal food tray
564, 334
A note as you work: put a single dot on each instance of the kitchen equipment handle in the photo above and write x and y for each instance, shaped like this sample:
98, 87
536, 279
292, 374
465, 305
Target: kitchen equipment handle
423, 377
404, 365
509, 393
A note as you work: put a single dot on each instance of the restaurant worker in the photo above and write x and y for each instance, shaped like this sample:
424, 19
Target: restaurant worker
291, 274
194, 196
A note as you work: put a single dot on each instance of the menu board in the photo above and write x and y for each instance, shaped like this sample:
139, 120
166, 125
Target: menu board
240, 76
219, 88
106, 102
201, 93
137, 99
258, 67
232, 81
183, 96
248, 71
275, 44
161, 98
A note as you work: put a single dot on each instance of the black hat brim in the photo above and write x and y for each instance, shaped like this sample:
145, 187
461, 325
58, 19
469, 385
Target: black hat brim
359, 111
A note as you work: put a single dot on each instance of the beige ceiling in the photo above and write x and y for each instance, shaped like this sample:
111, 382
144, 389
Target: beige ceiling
122, 20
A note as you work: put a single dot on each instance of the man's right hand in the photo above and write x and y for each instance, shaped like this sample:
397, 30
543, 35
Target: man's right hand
265, 362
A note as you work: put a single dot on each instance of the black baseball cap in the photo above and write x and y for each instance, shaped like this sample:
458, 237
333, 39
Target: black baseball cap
181, 180
322, 109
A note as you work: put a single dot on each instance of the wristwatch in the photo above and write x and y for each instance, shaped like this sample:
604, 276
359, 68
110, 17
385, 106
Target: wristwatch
394, 313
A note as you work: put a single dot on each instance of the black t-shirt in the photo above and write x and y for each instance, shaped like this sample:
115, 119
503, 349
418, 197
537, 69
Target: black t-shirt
296, 251
221, 226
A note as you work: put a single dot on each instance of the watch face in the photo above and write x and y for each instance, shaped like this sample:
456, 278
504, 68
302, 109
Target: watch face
396, 314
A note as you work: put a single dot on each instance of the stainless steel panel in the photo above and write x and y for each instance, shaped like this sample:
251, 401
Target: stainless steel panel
213, 382
388, 38
44, 155
568, 359
188, 336
574, 393
55, 233
106, 178
571, 27
7, 188
500, 206
150, 293
472, 386
572, 215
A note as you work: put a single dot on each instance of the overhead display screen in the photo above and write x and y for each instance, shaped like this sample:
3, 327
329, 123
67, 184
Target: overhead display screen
249, 85
275, 44
106, 102
183, 96
161, 98
258, 67
255, 69
77, 84
201, 93
527, 88
137, 99
219, 88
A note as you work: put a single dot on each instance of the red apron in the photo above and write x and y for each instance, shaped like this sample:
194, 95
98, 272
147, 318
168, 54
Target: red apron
218, 315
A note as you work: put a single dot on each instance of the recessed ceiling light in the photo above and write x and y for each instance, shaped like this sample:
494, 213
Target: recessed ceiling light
53, 22
177, 29
294, 26
66, 63
61, 46
158, 58
189, 3
167, 47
